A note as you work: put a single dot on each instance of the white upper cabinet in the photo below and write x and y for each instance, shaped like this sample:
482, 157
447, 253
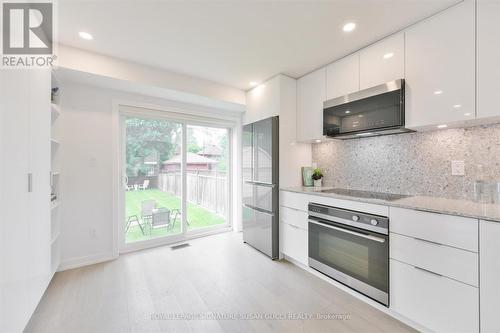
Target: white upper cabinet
263, 101
488, 54
440, 68
311, 93
382, 62
342, 76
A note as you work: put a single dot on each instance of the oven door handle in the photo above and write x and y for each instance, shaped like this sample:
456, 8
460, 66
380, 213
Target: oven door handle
350, 232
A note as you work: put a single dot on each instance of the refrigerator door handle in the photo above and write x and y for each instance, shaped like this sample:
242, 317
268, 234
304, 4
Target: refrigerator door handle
260, 210
260, 183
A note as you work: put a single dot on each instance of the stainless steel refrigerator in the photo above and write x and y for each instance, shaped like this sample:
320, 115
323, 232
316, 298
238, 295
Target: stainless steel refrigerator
260, 186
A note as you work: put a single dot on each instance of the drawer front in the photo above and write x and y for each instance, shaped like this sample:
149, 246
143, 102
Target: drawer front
294, 242
260, 196
294, 217
294, 200
258, 230
451, 262
436, 302
300, 201
449, 230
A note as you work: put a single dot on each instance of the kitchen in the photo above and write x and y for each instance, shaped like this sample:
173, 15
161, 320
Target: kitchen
407, 220
268, 166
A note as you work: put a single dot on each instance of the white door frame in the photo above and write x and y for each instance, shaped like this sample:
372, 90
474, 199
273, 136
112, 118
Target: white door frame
121, 109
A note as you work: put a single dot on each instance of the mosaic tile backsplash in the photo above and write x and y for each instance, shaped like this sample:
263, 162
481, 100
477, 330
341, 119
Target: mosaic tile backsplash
412, 163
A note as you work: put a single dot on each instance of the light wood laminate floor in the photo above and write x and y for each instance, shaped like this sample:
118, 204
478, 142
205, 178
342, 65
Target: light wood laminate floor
216, 274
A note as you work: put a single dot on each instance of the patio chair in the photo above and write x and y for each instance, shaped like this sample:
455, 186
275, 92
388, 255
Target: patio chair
176, 213
126, 184
144, 185
160, 218
134, 219
147, 208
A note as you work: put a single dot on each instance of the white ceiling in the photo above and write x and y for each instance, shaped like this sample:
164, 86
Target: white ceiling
235, 42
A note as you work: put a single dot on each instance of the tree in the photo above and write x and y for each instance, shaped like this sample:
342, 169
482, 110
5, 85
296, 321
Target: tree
222, 164
192, 141
144, 137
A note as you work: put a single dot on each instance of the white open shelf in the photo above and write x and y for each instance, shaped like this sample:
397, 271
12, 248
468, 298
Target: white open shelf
55, 223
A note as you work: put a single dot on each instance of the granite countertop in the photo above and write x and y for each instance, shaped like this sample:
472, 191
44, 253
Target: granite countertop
465, 208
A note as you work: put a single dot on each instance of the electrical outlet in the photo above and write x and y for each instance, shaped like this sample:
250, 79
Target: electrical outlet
457, 168
92, 232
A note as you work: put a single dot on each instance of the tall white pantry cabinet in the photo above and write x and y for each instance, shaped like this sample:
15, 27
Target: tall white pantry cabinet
25, 269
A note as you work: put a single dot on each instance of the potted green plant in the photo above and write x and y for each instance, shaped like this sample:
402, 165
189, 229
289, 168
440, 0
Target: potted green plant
317, 176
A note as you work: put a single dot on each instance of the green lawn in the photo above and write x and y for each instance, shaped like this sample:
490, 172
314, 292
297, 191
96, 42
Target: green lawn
197, 216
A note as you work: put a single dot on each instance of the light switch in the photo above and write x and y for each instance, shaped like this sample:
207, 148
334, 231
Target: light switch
457, 168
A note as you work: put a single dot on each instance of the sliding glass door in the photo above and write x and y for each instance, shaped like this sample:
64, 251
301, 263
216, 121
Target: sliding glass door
175, 179
207, 177
152, 197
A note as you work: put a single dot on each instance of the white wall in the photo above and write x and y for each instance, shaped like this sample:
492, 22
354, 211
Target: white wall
87, 164
184, 87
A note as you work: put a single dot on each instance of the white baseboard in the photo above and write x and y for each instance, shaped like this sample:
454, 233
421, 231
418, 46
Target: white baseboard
362, 297
85, 261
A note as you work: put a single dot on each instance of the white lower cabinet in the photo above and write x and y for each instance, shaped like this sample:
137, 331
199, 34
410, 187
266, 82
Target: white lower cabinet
434, 270
434, 301
294, 242
445, 260
293, 234
294, 217
454, 231
439, 264
489, 239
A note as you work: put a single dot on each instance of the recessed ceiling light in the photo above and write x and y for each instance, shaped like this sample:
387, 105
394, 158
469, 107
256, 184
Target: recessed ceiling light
456, 106
348, 27
317, 141
388, 55
467, 114
253, 83
348, 112
85, 35
438, 92
442, 126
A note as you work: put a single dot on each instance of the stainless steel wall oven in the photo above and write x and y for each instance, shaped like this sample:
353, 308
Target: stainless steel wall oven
351, 247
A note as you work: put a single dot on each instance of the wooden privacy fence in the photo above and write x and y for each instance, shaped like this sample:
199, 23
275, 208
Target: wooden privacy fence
207, 189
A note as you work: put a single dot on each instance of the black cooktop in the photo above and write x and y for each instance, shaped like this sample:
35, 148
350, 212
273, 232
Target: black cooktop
366, 194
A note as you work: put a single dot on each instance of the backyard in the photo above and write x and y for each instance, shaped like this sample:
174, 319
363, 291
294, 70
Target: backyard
197, 217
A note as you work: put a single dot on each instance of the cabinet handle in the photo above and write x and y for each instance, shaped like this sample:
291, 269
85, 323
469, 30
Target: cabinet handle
293, 226
427, 271
294, 209
427, 241
30, 182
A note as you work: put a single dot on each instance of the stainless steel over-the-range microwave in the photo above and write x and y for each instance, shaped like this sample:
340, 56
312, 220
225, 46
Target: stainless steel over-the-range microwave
379, 110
